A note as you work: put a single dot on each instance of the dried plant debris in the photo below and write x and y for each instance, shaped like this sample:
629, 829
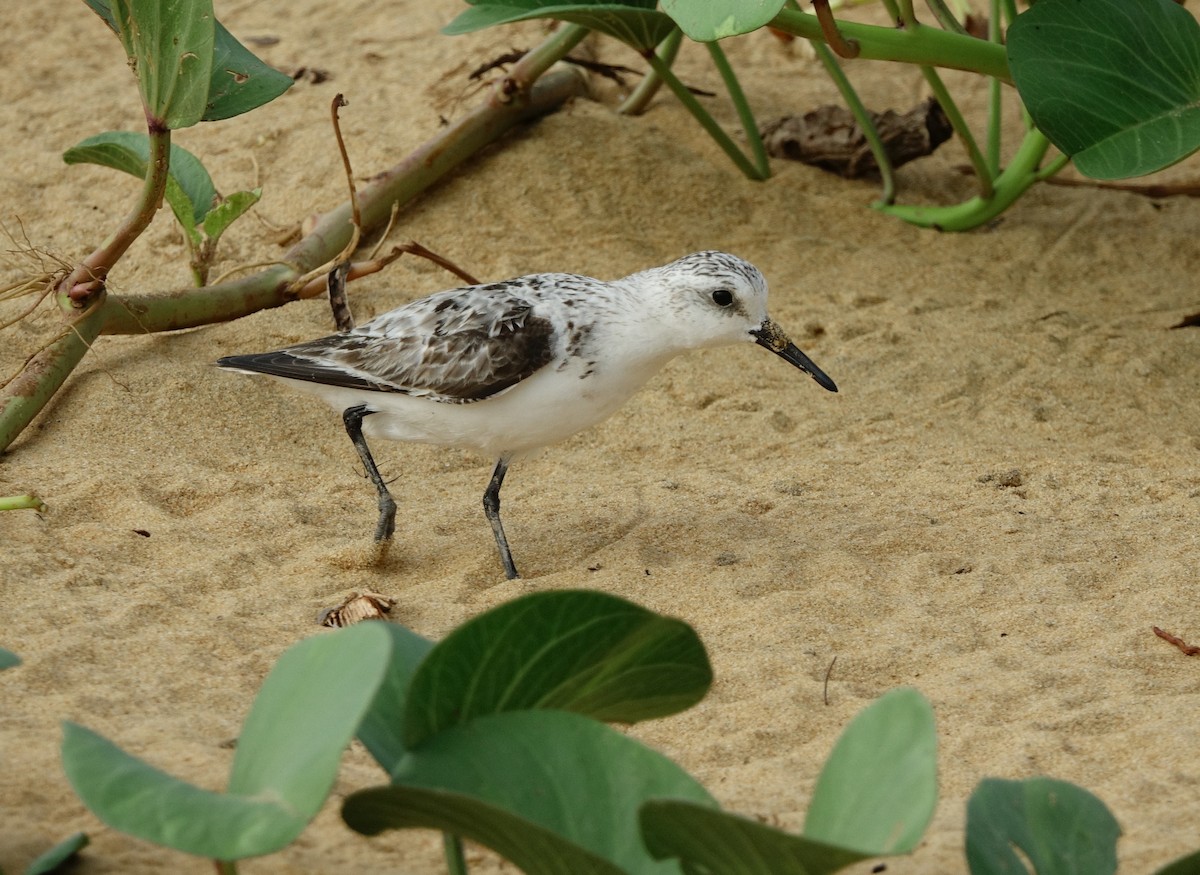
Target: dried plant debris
1184, 648
1003, 479
830, 138
355, 609
311, 75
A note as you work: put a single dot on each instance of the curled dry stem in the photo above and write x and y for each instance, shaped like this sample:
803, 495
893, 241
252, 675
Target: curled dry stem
359, 269
846, 48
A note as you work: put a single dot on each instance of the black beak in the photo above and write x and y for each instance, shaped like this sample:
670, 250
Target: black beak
771, 336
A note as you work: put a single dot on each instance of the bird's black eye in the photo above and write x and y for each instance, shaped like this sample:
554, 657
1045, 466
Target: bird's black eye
722, 297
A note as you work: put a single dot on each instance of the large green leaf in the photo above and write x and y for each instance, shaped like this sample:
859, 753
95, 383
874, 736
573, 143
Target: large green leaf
878, 789
306, 713
240, 81
1188, 865
171, 42
708, 20
711, 842
574, 650
136, 798
566, 775
286, 761
190, 190
534, 849
382, 727
635, 22
1115, 84
1062, 829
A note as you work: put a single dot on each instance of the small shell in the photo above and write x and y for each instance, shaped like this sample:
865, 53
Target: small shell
355, 609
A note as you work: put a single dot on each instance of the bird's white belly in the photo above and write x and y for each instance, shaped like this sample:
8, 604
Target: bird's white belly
543, 409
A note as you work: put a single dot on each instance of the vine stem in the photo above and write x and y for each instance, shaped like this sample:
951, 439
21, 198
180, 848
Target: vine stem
920, 44
995, 101
738, 96
983, 172
22, 502
886, 174
452, 850
701, 115
1009, 185
86, 281
45, 372
529, 90
636, 102
945, 17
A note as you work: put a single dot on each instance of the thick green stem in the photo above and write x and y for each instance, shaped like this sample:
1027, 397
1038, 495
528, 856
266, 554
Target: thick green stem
22, 502
89, 274
512, 101
887, 176
187, 308
921, 44
45, 373
706, 121
452, 850
226, 867
1010, 185
742, 105
635, 103
995, 101
1053, 167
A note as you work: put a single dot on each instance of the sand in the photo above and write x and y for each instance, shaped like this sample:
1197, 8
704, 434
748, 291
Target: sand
789, 526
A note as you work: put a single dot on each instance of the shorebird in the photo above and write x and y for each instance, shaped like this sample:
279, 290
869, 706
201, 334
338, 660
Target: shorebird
507, 368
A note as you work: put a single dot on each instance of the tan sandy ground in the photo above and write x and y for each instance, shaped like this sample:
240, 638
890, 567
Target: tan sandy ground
788, 525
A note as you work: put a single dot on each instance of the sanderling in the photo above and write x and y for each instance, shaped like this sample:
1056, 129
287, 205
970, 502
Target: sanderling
507, 368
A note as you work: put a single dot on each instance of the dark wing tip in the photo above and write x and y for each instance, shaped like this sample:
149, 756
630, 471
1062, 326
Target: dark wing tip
291, 367
236, 362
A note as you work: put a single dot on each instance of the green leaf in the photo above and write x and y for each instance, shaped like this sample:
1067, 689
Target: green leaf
382, 728
706, 20
240, 81
171, 42
636, 23
573, 650
1187, 865
1062, 829
1115, 84
8, 659
286, 761
138, 799
306, 713
707, 840
534, 849
878, 789
229, 211
193, 194
57, 855
566, 775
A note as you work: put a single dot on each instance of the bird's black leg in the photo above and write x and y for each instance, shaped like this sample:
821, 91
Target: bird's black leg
491, 507
353, 417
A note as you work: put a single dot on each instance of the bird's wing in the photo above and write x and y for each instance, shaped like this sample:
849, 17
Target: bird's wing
456, 346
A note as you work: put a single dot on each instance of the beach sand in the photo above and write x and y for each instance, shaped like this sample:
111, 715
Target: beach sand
198, 520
